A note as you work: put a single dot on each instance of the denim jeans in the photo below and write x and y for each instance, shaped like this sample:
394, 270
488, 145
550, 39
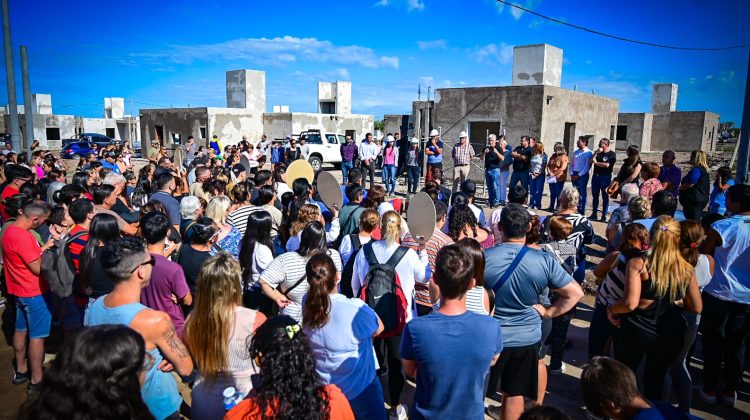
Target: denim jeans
345, 168
369, 403
504, 176
537, 189
519, 176
599, 184
413, 174
554, 194
389, 178
582, 184
725, 326
492, 178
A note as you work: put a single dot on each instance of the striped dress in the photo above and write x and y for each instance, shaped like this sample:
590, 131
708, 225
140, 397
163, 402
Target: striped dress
612, 288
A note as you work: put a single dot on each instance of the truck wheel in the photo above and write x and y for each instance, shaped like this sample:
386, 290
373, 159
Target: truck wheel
316, 163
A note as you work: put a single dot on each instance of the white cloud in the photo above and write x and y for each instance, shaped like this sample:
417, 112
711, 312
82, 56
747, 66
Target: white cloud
517, 13
410, 4
727, 76
275, 51
436, 44
493, 53
382, 3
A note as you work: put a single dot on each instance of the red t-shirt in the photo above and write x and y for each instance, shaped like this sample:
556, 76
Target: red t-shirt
9, 191
340, 408
19, 249
77, 245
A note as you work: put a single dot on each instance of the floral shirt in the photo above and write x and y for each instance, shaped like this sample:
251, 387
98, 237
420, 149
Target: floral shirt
650, 187
230, 243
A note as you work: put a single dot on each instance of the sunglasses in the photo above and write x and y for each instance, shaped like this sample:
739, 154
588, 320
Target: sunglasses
151, 261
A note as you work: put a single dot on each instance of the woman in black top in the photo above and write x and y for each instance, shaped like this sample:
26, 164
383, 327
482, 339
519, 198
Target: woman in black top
292, 153
631, 166
694, 188
649, 317
103, 229
192, 255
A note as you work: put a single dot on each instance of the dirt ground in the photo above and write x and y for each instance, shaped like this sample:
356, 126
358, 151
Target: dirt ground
563, 390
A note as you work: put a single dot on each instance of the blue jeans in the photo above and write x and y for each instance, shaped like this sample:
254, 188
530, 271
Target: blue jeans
504, 175
492, 178
345, 168
389, 178
599, 184
369, 404
413, 173
519, 176
582, 184
554, 194
537, 189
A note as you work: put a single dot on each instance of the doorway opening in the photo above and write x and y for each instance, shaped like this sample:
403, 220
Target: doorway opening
110, 132
159, 133
479, 130
569, 137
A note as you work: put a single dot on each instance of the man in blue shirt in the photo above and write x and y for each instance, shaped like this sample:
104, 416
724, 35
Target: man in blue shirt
109, 162
166, 185
579, 170
519, 275
434, 151
433, 347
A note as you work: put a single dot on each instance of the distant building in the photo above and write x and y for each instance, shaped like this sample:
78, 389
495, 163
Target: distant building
666, 128
246, 114
50, 129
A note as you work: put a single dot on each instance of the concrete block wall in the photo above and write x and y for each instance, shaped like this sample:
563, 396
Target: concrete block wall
246, 89
231, 124
280, 125
663, 98
42, 103
539, 64
339, 92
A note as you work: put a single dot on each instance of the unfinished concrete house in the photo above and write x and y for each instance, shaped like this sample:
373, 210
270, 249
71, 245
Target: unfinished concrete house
246, 114
51, 129
534, 105
666, 128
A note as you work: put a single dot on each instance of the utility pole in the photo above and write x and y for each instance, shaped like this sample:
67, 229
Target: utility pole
744, 152
28, 109
15, 136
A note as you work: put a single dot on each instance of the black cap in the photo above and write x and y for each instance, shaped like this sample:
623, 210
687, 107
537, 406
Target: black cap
469, 187
161, 171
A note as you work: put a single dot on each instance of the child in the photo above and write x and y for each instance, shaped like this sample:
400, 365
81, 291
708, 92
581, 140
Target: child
718, 200
277, 155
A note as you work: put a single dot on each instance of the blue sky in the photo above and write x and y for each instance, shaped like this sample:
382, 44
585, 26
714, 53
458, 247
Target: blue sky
175, 53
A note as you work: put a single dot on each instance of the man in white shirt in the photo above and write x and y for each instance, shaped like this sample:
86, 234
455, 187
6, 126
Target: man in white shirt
368, 153
579, 170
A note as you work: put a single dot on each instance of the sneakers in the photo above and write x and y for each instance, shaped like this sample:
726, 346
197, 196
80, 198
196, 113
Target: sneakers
20, 377
557, 371
707, 397
494, 411
593, 217
33, 388
398, 413
729, 399
604, 218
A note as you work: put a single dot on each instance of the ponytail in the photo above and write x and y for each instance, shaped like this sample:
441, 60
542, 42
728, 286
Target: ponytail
321, 276
390, 226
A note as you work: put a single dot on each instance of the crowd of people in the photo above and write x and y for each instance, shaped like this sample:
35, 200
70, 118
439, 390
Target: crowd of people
245, 291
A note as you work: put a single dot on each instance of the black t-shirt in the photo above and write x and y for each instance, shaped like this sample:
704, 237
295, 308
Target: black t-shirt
191, 262
491, 161
608, 157
521, 165
99, 281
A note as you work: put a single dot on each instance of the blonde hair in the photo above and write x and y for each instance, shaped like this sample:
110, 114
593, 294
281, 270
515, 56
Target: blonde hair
218, 207
539, 148
670, 272
639, 207
569, 198
699, 158
307, 213
209, 325
390, 226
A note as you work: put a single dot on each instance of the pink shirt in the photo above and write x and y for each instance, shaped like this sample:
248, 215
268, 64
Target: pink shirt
389, 156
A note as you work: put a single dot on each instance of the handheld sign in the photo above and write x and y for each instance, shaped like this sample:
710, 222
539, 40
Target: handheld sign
246, 163
329, 190
299, 169
420, 216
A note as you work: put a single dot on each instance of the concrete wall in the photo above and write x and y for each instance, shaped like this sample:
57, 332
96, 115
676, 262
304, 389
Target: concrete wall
42, 103
246, 89
279, 125
230, 124
539, 64
392, 124
683, 131
114, 108
639, 126
183, 121
663, 98
339, 92
592, 115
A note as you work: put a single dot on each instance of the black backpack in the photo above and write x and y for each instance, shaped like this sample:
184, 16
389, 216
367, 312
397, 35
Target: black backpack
57, 266
346, 276
383, 291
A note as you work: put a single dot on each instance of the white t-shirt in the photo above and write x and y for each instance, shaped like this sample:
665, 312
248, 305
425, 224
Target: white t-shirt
262, 258
331, 235
281, 188
346, 249
286, 270
411, 269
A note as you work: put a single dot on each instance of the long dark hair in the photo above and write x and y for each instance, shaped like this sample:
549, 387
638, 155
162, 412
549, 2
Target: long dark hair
634, 156
321, 275
95, 376
258, 231
475, 251
312, 239
103, 229
81, 179
289, 387
460, 217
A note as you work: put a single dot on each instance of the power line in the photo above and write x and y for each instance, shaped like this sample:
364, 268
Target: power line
620, 38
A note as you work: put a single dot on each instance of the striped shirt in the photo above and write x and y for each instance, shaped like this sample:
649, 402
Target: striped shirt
474, 301
612, 288
462, 155
77, 245
436, 242
286, 270
238, 218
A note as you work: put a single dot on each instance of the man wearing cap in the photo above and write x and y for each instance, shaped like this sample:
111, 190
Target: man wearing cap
494, 155
434, 152
462, 154
368, 153
109, 162
349, 154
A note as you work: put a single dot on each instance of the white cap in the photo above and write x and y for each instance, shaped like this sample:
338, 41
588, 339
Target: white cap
389, 139
434, 133
462, 135
384, 207
414, 140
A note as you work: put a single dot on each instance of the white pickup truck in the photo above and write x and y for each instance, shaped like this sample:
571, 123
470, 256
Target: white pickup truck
324, 147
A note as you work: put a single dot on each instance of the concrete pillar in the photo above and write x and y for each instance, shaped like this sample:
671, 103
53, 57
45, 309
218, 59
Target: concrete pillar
15, 132
27, 105
664, 98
